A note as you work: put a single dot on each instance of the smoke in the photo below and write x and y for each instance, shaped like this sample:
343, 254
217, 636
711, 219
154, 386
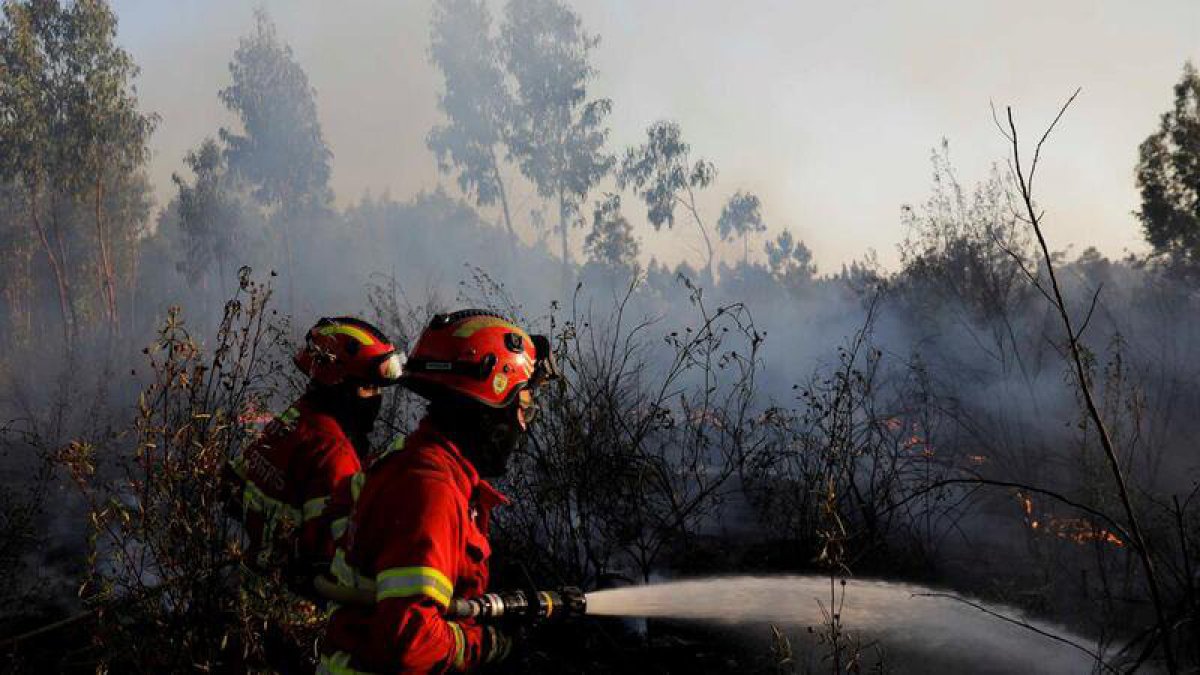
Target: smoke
786, 98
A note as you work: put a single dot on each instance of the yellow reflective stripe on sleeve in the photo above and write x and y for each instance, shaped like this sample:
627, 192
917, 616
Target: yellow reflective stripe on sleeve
337, 663
406, 582
313, 508
460, 645
343, 329
257, 500
356, 485
347, 575
338, 528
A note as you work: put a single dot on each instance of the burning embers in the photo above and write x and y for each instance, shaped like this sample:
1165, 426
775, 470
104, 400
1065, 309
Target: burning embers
1078, 530
909, 437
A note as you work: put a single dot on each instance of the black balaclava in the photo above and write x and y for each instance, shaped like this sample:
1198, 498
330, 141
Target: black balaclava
486, 436
355, 414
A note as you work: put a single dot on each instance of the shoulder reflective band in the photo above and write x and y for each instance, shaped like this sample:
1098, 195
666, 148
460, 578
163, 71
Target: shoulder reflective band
460, 644
406, 582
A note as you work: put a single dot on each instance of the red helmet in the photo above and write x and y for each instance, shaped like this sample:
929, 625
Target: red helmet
480, 355
344, 348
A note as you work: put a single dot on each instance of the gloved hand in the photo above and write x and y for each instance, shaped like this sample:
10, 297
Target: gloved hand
497, 644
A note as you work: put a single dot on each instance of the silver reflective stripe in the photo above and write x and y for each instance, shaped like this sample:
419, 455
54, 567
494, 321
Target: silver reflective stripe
406, 582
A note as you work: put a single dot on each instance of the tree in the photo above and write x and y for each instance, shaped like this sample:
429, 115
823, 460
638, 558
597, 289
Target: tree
29, 42
105, 144
965, 249
209, 215
1168, 177
558, 134
476, 102
611, 242
790, 261
281, 151
741, 217
75, 143
662, 174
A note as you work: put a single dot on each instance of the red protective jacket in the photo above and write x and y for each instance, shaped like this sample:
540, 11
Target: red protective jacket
287, 477
418, 536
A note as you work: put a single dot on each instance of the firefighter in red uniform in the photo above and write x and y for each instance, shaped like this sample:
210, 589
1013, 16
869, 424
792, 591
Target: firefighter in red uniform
286, 477
418, 533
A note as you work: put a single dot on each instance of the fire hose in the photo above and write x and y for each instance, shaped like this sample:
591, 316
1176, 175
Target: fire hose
505, 606
527, 606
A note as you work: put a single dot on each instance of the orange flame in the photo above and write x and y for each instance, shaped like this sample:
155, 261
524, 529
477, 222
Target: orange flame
1078, 530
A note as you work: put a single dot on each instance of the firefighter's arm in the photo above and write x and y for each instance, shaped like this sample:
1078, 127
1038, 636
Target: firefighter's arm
334, 464
414, 581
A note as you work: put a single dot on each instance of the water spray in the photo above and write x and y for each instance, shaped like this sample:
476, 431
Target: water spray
909, 617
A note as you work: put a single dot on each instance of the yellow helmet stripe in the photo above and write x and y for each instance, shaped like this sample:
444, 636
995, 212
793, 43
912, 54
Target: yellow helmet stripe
478, 323
342, 329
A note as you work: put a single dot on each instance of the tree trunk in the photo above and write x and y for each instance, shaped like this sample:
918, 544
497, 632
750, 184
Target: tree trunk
503, 199
566, 253
108, 284
62, 284
691, 205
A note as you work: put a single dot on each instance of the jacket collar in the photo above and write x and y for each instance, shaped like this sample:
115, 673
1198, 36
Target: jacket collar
474, 485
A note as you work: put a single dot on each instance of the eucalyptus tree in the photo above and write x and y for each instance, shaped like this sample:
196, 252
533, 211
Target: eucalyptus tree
558, 132
74, 142
1168, 177
611, 242
29, 38
476, 101
741, 217
280, 150
105, 143
662, 174
790, 261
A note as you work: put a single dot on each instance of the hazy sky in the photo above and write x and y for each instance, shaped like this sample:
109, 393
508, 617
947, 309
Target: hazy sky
827, 110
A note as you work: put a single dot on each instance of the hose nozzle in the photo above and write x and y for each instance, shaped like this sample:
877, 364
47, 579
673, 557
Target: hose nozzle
527, 606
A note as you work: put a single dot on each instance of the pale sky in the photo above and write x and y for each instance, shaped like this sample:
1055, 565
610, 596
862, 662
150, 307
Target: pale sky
828, 111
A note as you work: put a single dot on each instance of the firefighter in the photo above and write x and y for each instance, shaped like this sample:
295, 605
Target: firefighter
418, 533
286, 477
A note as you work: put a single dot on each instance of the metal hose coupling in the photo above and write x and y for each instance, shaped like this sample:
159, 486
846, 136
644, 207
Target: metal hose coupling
521, 606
